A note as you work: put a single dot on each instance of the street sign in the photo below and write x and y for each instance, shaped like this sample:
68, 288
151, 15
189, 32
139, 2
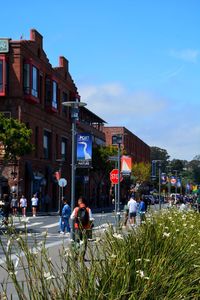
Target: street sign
114, 176
62, 182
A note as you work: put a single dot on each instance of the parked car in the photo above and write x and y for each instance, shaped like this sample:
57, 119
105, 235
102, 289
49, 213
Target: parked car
150, 199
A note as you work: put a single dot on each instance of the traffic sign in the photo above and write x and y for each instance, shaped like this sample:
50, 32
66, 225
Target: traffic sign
114, 176
62, 182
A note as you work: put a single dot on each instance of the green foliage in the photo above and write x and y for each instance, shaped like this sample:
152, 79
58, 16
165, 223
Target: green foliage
141, 171
100, 158
158, 260
160, 154
15, 137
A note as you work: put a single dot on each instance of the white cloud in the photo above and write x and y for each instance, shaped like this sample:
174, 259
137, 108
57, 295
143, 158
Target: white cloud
115, 104
160, 122
189, 55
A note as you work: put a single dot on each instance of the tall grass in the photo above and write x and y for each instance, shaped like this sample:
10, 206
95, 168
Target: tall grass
157, 260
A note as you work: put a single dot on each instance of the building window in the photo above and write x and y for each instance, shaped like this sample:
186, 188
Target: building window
26, 74
64, 149
41, 87
47, 90
47, 144
55, 95
34, 90
3, 76
31, 81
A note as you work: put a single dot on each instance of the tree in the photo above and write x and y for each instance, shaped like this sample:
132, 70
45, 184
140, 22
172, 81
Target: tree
141, 172
15, 138
102, 166
177, 164
160, 154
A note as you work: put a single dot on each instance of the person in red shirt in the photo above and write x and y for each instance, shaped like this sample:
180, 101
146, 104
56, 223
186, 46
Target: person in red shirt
82, 217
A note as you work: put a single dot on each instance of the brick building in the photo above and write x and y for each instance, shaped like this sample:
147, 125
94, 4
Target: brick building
32, 91
133, 146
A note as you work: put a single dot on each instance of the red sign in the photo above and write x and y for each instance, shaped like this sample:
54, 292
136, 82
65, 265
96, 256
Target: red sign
114, 176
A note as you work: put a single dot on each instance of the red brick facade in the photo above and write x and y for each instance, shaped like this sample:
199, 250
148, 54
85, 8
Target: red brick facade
133, 146
33, 91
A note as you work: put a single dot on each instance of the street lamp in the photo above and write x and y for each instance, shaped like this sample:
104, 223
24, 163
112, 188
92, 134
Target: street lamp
117, 140
74, 105
159, 178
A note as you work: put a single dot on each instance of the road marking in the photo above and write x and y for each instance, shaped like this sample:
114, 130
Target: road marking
51, 225
30, 225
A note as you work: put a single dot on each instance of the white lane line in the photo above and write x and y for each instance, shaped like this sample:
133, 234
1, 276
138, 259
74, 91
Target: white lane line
30, 225
51, 225
16, 257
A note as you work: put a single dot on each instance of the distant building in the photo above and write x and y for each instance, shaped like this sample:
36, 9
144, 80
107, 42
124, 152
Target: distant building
32, 91
133, 145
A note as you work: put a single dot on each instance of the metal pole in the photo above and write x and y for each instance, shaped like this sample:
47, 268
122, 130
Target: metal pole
118, 190
159, 174
73, 169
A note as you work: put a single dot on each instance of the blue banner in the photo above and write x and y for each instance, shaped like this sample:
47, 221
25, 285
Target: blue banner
84, 150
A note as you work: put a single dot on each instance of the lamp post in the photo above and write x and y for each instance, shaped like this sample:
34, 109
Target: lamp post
176, 171
159, 191
74, 105
117, 140
159, 177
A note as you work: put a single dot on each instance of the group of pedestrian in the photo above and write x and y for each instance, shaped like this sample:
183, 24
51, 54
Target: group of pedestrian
135, 206
14, 205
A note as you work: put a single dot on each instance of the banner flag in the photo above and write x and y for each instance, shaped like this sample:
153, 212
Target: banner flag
84, 150
126, 164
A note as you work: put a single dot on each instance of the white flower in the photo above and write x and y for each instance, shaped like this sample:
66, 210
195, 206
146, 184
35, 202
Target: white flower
113, 256
147, 278
98, 239
118, 236
146, 259
48, 276
177, 230
166, 234
192, 226
34, 251
196, 266
140, 273
138, 259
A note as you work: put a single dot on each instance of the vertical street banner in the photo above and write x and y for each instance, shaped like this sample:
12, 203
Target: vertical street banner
126, 165
84, 150
163, 178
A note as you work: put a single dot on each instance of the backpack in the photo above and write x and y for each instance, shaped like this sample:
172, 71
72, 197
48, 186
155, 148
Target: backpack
83, 216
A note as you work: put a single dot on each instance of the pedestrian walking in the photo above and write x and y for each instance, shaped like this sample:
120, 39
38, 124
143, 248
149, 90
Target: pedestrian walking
141, 210
126, 213
65, 215
132, 206
34, 202
6, 208
23, 205
82, 217
14, 204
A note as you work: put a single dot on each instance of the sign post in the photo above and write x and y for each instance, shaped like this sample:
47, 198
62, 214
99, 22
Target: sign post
114, 176
62, 182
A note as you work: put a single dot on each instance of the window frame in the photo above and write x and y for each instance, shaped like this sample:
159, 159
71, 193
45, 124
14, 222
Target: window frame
31, 91
48, 135
4, 75
64, 141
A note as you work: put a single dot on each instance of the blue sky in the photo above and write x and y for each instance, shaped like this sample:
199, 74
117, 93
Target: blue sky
136, 63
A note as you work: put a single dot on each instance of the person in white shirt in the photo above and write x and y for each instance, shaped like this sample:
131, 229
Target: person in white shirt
23, 205
34, 201
132, 206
